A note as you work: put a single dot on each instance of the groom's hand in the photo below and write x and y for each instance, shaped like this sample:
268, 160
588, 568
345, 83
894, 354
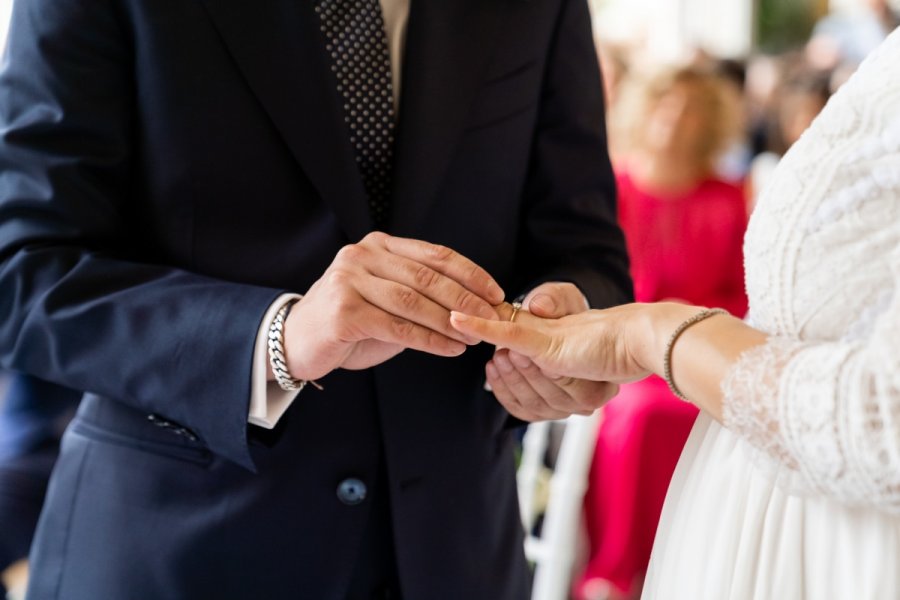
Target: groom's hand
523, 388
380, 297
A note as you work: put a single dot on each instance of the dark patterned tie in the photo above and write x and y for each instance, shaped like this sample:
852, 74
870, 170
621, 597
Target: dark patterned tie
361, 61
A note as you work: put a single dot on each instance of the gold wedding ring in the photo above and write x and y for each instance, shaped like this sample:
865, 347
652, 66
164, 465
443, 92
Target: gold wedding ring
516, 306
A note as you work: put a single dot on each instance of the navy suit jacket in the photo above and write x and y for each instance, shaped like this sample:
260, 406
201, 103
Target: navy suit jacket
167, 169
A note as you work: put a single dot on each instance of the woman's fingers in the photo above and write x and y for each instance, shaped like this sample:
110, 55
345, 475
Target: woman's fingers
524, 340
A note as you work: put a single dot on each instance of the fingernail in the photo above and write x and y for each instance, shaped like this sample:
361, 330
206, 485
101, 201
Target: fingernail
456, 348
459, 317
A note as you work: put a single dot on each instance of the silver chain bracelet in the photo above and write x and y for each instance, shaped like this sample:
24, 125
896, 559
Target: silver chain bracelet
276, 353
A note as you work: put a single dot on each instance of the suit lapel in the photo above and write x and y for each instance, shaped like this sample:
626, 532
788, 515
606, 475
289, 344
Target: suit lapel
278, 49
448, 46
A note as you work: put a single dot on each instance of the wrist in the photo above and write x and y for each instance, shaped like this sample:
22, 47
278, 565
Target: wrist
655, 325
293, 352
276, 350
278, 362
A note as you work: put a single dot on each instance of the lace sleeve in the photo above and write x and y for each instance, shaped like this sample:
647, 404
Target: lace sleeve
830, 410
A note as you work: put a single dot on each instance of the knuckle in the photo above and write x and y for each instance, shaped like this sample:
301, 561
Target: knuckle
434, 339
349, 254
426, 278
439, 253
375, 237
514, 408
522, 415
338, 277
530, 404
466, 301
402, 328
343, 305
407, 298
556, 402
477, 275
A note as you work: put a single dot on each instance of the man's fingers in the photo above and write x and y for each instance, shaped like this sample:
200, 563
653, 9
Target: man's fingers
532, 400
447, 262
575, 396
408, 304
535, 401
443, 290
379, 325
544, 305
555, 300
513, 403
557, 397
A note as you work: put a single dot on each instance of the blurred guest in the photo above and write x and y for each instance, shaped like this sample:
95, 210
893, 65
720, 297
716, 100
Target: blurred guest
734, 162
801, 98
848, 36
798, 100
684, 229
615, 64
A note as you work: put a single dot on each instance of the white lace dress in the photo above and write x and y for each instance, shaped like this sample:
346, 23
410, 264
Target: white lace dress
798, 497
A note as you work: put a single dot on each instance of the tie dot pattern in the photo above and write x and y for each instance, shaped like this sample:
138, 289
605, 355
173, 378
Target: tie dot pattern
361, 62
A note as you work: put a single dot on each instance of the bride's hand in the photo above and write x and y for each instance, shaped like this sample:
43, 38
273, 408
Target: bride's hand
597, 345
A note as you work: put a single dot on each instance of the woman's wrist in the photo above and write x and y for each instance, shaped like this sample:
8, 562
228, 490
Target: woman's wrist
702, 355
655, 325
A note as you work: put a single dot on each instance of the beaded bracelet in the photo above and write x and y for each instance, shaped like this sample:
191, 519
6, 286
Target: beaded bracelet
276, 353
667, 357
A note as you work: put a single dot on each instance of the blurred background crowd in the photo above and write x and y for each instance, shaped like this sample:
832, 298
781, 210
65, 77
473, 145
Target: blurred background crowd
704, 98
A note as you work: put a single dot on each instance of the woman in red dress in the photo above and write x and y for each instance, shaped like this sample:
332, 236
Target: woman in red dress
684, 229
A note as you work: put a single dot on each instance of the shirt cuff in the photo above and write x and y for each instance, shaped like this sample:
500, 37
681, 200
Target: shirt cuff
268, 402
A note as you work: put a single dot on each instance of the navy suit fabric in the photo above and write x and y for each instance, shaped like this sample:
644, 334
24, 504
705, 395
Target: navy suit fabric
167, 169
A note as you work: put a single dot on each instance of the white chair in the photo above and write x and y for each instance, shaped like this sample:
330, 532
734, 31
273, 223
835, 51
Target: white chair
554, 552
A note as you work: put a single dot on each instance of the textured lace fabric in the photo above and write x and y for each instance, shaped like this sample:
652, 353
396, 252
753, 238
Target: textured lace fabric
822, 254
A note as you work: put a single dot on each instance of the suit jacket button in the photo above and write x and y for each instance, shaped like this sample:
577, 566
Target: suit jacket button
351, 492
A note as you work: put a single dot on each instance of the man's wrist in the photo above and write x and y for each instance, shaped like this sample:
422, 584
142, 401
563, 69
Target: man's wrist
276, 353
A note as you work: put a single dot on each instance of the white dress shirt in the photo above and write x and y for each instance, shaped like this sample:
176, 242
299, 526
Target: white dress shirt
268, 401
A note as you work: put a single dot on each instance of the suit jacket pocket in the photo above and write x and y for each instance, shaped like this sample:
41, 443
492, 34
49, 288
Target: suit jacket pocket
154, 443
505, 96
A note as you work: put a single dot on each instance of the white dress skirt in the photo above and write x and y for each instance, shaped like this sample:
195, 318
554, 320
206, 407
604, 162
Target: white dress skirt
728, 531
797, 496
